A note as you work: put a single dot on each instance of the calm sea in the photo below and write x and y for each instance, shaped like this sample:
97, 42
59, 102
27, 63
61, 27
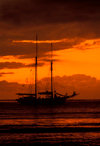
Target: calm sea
75, 123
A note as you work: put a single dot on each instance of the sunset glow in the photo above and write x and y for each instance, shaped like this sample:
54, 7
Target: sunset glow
82, 58
50, 72
42, 42
72, 28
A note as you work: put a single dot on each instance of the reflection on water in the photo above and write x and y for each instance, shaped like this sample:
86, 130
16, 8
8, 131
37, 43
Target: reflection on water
50, 124
90, 139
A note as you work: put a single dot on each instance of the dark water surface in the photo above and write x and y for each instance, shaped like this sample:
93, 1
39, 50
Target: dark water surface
75, 123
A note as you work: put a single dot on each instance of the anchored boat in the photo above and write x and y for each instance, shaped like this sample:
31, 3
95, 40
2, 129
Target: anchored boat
51, 97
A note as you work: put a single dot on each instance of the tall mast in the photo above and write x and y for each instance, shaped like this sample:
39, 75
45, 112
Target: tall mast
36, 93
51, 71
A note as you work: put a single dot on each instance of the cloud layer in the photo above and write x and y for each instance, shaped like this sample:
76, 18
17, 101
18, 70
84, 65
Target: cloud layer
16, 65
21, 19
5, 73
41, 12
86, 86
70, 24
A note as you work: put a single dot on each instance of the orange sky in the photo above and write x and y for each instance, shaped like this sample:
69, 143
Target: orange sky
72, 26
82, 58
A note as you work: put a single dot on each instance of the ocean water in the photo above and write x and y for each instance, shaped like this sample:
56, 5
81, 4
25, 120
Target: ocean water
75, 123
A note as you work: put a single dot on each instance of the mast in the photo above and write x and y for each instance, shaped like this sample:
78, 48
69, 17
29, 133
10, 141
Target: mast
36, 93
51, 71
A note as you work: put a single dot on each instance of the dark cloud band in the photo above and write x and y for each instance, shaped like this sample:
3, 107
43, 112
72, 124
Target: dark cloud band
43, 12
16, 65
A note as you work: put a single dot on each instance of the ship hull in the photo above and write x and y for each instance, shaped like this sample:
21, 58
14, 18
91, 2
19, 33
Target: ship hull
33, 101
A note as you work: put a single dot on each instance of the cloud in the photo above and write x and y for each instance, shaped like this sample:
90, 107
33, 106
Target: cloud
53, 20
43, 41
88, 44
5, 73
40, 12
26, 48
16, 65
87, 87
9, 90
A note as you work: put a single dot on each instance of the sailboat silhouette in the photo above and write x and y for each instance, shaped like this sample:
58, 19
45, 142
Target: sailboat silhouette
52, 97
